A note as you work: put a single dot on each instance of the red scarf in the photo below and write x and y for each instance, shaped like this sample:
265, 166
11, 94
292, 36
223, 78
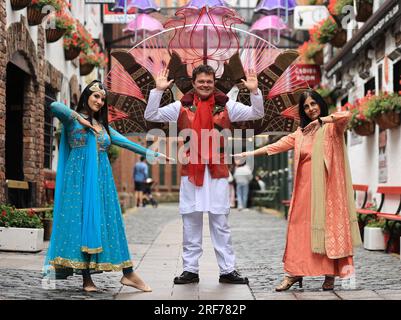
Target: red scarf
203, 120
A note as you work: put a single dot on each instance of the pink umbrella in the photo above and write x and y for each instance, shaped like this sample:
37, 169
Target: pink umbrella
145, 23
269, 24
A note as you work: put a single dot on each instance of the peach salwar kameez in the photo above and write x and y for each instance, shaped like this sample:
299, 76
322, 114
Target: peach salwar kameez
299, 260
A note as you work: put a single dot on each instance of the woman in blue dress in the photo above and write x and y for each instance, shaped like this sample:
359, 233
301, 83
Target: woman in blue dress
88, 229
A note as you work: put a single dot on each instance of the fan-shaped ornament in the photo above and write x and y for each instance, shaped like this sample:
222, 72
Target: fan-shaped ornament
204, 36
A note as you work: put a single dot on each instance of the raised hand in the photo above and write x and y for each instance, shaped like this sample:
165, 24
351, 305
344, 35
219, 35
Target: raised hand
161, 80
163, 156
311, 127
251, 81
86, 123
240, 156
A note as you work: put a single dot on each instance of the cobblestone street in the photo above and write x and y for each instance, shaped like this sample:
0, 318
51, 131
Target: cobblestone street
258, 240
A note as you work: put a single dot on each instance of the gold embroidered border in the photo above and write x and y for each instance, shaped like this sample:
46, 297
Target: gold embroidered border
91, 251
90, 265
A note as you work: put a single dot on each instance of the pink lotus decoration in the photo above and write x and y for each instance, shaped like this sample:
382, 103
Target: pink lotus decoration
204, 34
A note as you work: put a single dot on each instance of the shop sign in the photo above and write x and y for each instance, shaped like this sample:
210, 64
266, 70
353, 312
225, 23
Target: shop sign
99, 1
309, 73
111, 17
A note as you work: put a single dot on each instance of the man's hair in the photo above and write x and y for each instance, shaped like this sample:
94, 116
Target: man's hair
142, 158
203, 68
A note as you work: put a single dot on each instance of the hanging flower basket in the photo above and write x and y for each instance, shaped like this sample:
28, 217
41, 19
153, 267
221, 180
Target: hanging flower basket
35, 16
339, 39
52, 35
388, 120
19, 4
367, 128
71, 53
364, 10
85, 68
318, 57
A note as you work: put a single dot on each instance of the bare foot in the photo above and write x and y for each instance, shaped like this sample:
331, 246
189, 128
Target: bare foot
133, 280
89, 286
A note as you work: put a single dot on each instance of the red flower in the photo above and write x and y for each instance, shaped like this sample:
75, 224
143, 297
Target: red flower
31, 212
4, 213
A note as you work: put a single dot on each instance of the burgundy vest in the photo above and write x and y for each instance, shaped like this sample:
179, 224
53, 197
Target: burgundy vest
221, 121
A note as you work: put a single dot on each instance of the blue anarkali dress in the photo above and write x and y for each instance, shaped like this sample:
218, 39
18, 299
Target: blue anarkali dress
88, 228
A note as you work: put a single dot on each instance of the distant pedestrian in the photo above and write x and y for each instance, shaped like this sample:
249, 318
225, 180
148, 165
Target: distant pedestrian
243, 176
140, 175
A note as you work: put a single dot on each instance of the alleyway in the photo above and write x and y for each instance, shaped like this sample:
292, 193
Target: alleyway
155, 235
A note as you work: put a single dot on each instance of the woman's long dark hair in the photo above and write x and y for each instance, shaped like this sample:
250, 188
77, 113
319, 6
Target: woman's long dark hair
83, 106
324, 110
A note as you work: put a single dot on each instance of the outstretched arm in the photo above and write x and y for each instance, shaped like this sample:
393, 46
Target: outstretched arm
284, 144
121, 141
67, 115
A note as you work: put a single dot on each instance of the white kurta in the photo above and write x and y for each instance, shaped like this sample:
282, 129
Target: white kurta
213, 196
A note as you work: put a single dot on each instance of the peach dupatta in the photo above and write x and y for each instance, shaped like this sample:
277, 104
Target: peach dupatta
334, 225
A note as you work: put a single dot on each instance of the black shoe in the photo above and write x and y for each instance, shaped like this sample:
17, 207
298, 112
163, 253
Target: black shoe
234, 278
186, 277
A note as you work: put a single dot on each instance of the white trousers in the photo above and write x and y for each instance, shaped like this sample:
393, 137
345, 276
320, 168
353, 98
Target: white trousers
221, 237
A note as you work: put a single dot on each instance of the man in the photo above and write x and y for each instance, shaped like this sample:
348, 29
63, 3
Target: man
204, 187
140, 175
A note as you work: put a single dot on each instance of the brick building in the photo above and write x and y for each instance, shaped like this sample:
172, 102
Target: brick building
33, 73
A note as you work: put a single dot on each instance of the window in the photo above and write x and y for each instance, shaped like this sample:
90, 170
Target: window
380, 77
370, 86
50, 96
162, 174
397, 77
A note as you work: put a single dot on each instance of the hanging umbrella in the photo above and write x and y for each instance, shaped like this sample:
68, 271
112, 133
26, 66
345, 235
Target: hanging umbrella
276, 7
202, 3
133, 5
269, 26
145, 23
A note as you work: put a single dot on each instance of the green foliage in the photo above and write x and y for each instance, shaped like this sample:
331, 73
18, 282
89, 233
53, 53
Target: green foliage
327, 31
376, 223
12, 217
383, 103
113, 153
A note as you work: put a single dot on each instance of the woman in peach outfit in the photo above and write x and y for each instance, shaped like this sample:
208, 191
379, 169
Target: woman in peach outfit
322, 225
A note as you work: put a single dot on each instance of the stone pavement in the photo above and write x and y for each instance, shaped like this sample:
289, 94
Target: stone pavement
154, 237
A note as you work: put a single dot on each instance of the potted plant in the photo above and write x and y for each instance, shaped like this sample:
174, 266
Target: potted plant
76, 40
373, 236
19, 4
385, 110
89, 60
63, 22
328, 30
364, 9
311, 52
336, 6
38, 9
360, 123
20, 230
